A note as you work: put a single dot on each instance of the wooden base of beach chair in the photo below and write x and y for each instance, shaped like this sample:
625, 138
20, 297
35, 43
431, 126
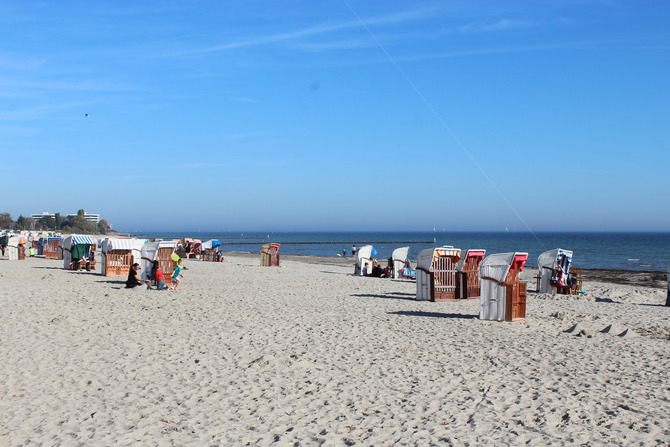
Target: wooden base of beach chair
85, 265
440, 292
466, 288
118, 262
444, 296
516, 302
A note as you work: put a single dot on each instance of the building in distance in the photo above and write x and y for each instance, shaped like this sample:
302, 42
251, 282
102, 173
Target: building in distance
95, 218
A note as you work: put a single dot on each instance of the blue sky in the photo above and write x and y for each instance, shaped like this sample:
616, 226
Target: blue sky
338, 115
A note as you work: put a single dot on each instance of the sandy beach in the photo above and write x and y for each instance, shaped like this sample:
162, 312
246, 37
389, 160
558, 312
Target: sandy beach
307, 354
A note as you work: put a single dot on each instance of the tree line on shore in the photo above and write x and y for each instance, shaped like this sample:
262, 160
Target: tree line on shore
73, 224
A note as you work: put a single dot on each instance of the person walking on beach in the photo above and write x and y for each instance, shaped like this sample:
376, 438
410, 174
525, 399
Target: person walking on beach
176, 275
354, 249
133, 277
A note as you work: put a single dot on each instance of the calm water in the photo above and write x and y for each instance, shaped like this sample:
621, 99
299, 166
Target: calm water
627, 251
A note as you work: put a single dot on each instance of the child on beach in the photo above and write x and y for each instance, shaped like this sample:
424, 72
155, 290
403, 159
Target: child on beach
158, 277
176, 275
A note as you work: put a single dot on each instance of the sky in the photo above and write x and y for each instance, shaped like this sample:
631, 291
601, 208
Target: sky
342, 115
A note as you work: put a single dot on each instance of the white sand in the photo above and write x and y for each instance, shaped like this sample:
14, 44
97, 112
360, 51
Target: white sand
307, 354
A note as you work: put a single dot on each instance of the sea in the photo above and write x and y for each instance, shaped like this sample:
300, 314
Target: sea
640, 251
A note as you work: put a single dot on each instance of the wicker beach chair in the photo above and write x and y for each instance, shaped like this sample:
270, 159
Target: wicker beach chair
436, 274
16, 248
363, 256
398, 261
161, 251
270, 255
467, 278
547, 264
117, 255
503, 295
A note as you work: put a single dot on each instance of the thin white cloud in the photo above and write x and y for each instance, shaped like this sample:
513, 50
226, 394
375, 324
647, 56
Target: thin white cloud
516, 49
480, 51
323, 28
338, 45
83, 85
500, 25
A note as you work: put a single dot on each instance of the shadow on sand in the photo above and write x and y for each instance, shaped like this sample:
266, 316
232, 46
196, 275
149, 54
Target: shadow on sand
416, 313
111, 281
389, 296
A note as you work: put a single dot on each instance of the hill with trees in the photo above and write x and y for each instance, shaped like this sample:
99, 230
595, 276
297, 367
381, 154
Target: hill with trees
76, 224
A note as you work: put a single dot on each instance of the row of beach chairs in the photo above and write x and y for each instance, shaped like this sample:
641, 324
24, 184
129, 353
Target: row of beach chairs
447, 274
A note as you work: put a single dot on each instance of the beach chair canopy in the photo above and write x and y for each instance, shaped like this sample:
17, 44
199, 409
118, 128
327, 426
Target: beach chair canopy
398, 260
427, 256
364, 252
497, 266
116, 244
81, 239
211, 244
549, 258
546, 264
66, 242
15, 241
400, 254
150, 249
122, 244
479, 253
149, 253
191, 243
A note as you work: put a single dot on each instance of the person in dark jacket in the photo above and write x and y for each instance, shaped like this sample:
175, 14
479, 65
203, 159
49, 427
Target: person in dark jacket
133, 277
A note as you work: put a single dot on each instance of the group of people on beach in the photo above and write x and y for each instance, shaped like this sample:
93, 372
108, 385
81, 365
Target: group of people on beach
376, 270
156, 278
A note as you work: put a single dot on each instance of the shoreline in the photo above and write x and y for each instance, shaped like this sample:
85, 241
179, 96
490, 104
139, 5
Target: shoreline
641, 278
653, 279
649, 278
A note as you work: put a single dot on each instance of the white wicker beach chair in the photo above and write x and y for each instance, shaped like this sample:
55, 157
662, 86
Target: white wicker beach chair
399, 260
503, 296
436, 274
546, 263
363, 256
